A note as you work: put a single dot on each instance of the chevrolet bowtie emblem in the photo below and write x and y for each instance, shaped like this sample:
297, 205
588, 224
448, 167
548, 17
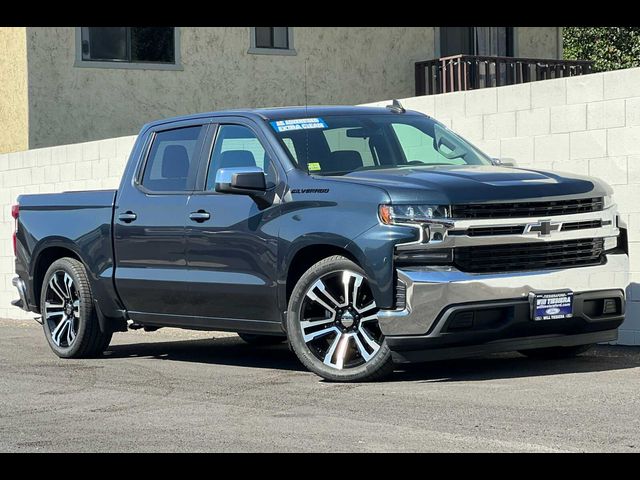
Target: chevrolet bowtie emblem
544, 227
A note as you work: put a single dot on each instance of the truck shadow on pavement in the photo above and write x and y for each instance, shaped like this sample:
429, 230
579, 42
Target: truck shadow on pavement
232, 351
601, 358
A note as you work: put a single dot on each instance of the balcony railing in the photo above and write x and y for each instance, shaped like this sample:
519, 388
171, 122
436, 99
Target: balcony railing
469, 72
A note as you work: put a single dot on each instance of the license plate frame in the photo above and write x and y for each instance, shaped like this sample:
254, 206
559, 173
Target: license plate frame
552, 305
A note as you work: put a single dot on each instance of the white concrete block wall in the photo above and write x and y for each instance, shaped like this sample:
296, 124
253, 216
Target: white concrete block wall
82, 166
588, 125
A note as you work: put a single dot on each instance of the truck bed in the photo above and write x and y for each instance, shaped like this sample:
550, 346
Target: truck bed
80, 221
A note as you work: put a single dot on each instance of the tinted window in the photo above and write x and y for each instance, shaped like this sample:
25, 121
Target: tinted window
129, 44
172, 160
238, 146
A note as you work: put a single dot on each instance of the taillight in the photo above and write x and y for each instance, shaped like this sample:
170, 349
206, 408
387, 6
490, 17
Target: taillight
15, 213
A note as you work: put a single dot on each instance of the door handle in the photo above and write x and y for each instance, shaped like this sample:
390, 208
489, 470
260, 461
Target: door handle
127, 217
200, 216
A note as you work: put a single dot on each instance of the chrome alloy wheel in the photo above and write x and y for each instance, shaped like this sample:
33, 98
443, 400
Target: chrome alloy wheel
62, 309
339, 320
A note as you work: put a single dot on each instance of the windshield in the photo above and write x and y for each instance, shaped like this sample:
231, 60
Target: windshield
340, 144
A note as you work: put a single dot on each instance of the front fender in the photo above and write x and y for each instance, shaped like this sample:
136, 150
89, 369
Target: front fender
373, 249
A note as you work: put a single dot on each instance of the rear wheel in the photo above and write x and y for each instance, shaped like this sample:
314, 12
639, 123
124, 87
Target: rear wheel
69, 318
556, 352
332, 323
261, 340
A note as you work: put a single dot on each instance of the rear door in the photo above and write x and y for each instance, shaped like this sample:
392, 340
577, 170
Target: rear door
150, 220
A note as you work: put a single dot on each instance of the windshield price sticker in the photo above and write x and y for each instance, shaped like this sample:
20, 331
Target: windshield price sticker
298, 124
553, 306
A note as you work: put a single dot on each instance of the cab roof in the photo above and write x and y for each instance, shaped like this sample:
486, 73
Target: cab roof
284, 113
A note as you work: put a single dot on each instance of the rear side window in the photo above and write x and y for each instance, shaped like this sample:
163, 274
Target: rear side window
172, 160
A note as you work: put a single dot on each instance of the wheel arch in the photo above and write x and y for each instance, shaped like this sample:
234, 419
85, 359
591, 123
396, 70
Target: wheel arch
308, 256
43, 259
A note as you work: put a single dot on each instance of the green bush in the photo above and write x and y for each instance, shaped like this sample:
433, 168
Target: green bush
610, 48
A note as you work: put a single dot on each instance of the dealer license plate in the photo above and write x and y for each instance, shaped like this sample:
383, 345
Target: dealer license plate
551, 305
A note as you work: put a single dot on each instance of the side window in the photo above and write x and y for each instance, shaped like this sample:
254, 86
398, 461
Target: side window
238, 146
172, 160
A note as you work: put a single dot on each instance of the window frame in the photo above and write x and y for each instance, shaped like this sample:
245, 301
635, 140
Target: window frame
210, 143
151, 138
120, 64
255, 50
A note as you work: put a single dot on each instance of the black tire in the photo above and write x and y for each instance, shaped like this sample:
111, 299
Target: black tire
556, 352
378, 366
89, 340
261, 340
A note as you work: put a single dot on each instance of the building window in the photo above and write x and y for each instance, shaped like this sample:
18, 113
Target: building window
483, 41
127, 46
272, 40
272, 37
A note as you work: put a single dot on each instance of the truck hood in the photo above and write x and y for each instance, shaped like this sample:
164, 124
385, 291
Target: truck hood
476, 184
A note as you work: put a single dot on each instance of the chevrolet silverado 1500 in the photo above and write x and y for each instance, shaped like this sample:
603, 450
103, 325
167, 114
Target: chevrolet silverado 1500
361, 236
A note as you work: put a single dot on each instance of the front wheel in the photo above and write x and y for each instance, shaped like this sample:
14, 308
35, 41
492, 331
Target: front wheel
332, 323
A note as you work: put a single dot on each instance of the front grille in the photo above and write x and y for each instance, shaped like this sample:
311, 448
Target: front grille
490, 231
519, 229
529, 256
566, 227
527, 209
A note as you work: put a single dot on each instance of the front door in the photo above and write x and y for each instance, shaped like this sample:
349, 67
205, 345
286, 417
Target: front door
232, 241
149, 224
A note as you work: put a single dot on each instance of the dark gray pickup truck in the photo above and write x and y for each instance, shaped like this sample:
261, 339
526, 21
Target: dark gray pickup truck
362, 236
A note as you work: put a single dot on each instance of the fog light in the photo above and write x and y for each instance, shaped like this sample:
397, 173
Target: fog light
609, 306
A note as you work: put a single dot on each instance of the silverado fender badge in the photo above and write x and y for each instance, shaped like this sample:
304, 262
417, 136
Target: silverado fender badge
310, 190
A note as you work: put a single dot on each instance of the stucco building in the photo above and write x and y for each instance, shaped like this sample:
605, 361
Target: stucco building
60, 85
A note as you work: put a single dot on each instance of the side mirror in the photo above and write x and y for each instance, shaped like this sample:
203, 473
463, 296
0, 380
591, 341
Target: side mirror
503, 162
241, 181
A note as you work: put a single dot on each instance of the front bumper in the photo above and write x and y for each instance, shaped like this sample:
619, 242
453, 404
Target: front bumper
435, 294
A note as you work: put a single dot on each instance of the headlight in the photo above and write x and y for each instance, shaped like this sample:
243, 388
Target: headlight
395, 214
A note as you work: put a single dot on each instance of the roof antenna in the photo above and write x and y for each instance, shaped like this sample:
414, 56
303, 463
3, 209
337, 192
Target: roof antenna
396, 107
306, 113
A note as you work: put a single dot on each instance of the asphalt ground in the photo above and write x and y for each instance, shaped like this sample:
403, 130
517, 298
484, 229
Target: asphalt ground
185, 391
